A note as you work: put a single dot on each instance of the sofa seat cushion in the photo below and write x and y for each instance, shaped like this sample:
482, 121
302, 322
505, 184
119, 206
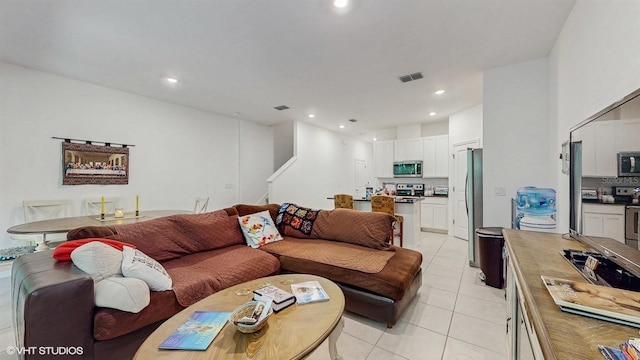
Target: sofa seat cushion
392, 282
110, 323
344, 255
199, 275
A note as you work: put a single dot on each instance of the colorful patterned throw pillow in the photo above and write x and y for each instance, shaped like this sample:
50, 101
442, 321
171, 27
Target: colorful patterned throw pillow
299, 218
258, 229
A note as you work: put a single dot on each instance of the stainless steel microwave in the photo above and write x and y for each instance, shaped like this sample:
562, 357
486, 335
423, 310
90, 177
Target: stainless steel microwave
407, 168
629, 163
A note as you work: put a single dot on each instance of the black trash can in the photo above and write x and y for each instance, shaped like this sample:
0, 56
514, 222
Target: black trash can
490, 244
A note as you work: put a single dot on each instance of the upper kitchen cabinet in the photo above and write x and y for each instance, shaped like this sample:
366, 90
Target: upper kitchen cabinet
599, 149
407, 149
628, 135
383, 158
435, 156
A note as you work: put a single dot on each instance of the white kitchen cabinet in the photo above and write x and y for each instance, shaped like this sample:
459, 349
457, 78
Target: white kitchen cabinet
435, 156
604, 221
383, 158
433, 215
522, 339
628, 135
407, 149
599, 149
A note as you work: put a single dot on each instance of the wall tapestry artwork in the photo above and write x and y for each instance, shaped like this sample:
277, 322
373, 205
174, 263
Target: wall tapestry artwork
94, 164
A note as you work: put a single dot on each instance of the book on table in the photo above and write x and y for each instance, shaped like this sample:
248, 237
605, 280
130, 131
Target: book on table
308, 292
198, 332
596, 301
281, 298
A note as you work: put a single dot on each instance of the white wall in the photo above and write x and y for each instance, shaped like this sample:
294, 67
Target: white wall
593, 64
517, 146
255, 141
435, 128
465, 126
325, 166
180, 153
283, 145
409, 131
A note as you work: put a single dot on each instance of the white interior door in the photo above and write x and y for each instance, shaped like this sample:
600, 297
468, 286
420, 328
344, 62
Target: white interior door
361, 179
460, 215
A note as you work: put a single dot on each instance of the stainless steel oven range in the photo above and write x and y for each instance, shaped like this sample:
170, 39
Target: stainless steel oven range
631, 222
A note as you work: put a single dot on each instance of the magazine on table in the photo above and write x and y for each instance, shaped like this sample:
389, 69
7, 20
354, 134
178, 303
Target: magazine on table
198, 332
596, 301
281, 298
308, 292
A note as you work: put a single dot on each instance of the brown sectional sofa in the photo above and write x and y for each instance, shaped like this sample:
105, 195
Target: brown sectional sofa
53, 302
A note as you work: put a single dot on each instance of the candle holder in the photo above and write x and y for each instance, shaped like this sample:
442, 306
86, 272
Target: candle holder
101, 216
119, 213
137, 212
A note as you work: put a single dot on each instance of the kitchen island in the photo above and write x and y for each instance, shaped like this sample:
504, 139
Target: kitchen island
536, 327
409, 208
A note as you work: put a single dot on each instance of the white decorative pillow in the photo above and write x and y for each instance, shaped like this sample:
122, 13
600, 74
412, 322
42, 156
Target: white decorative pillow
258, 229
126, 294
137, 264
98, 260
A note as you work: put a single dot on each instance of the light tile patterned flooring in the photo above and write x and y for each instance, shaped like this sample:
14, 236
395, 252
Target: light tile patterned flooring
454, 315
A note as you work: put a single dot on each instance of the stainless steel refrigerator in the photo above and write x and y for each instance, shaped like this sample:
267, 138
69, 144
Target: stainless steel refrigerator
473, 199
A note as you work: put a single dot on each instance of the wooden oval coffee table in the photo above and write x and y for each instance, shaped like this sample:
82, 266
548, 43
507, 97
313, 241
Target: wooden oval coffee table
292, 333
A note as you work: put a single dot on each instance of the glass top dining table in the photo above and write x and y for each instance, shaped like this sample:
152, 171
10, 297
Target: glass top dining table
66, 224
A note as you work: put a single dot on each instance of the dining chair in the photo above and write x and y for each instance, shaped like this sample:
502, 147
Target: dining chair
343, 201
38, 210
387, 204
201, 205
92, 206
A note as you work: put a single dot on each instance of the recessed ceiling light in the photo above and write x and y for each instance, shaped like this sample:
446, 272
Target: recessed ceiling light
432, 114
340, 3
375, 139
439, 92
171, 80
312, 115
341, 126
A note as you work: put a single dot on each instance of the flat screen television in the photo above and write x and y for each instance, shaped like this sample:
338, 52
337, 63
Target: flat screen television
594, 148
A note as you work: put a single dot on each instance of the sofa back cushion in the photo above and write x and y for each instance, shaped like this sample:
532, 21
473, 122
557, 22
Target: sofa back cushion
370, 229
174, 236
246, 209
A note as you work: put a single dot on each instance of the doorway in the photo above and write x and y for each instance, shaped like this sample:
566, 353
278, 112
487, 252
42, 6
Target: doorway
460, 214
360, 179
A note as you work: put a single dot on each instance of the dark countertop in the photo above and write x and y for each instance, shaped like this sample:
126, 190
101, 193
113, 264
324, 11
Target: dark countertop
598, 202
401, 199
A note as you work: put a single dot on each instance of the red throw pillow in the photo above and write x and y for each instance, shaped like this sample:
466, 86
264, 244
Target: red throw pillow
63, 251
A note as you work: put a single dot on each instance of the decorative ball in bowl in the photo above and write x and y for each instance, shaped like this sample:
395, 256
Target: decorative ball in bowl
246, 311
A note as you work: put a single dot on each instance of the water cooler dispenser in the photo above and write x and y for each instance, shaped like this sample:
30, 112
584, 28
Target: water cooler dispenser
536, 209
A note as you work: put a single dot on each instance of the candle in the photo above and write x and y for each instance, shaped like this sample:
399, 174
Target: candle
102, 205
137, 198
119, 213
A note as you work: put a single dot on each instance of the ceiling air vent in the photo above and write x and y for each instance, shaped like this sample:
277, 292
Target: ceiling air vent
410, 77
353, 120
281, 107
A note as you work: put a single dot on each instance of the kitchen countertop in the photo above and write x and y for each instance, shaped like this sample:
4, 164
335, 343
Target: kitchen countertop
402, 199
598, 202
561, 335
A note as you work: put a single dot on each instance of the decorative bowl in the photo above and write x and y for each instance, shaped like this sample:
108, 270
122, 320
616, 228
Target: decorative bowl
247, 310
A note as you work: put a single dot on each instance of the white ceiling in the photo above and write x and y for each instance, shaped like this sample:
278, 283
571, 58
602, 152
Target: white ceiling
240, 58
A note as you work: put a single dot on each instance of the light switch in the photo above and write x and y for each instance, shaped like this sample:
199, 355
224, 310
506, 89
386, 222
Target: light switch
500, 191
